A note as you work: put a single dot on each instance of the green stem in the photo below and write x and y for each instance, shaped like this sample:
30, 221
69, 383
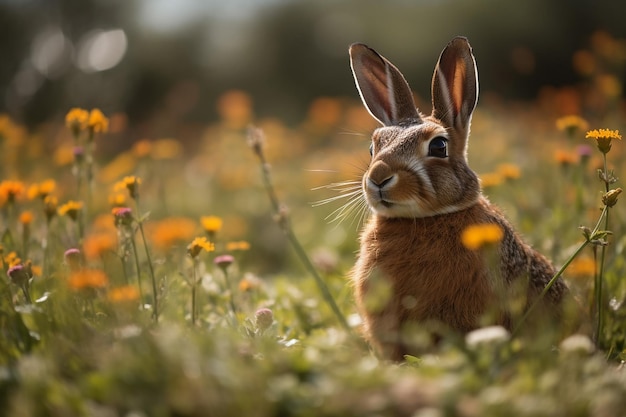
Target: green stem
193, 293
293, 240
136, 256
155, 302
599, 292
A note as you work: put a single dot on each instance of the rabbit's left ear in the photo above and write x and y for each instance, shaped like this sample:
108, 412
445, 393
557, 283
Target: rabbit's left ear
383, 89
455, 84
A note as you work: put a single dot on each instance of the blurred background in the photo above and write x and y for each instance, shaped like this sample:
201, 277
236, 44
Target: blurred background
172, 59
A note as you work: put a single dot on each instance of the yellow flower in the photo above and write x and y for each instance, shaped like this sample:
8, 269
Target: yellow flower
71, 209
582, 267
11, 259
491, 179
10, 190
123, 294
117, 200
166, 149
509, 171
211, 224
603, 138
142, 148
87, 278
198, 244
476, 236
42, 190
239, 245
130, 183
76, 120
571, 124
97, 122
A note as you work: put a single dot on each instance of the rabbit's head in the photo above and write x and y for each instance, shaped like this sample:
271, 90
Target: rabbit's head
419, 163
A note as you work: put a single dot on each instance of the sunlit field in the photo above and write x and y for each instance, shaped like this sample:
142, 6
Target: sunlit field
209, 276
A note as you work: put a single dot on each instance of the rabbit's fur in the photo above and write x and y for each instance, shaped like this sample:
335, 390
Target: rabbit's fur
413, 270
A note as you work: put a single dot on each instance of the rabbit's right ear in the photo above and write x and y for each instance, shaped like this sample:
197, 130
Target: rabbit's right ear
383, 89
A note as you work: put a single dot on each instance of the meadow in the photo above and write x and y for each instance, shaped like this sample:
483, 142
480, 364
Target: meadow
204, 276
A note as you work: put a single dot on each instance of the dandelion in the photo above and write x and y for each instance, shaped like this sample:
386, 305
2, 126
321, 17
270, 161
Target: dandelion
571, 125
603, 138
123, 294
211, 224
76, 120
87, 278
199, 244
97, 122
476, 236
71, 209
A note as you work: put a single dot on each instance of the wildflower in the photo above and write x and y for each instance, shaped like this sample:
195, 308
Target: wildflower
603, 138
475, 236
87, 278
50, 207
264, 318
198, 244
72, 258
97, 122
565, 158
239, 245
18, 275
76, 120
249, 282
171, 230
577, 343
582, 267
235, 108
166, 149
117, 200
123, 216
78, 153
26, 218
223, 261
130, 183
492, 335
142, 148
123, 294
96, 245
509, 171
11, 259
211, 224
610, 198
10, 191
584, 152
71, 209
571, 124
491, 179
41, 190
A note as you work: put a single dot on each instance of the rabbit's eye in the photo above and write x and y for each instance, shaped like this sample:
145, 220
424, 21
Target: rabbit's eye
438, 147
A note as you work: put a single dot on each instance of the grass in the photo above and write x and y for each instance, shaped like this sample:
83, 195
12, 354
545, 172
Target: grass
160, 280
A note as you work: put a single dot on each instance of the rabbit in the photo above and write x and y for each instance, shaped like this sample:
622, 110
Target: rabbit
412, 269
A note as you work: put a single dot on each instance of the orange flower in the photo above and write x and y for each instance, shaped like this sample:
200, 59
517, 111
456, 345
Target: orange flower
130, 183
571, 124
142, 148
41, 190
26, 217
123, 294
198, 244
582, 267
96, 245
165, 233
565, 158
71, 209
491, 179
509, 171
76, 120
476, 236
97, 122
603, 138
10, 191
239, 245
87, 278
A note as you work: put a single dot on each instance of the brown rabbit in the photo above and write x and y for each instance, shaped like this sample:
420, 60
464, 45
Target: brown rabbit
412, 268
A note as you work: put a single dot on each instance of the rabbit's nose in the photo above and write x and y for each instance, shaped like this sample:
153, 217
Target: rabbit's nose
381, 175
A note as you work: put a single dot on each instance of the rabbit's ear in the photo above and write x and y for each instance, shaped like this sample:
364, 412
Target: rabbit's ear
382, 87
455, 84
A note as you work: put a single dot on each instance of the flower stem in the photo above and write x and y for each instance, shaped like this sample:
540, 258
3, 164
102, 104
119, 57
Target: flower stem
155, 302
137, 267
295, 243
193, 292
